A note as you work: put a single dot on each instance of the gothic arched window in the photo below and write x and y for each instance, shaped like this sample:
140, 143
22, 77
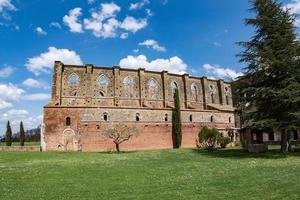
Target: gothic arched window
174, 85
103, 80
212, 98
194, 90
212, 118
128, 86
73, 79
128, 81
227, 100
153, 89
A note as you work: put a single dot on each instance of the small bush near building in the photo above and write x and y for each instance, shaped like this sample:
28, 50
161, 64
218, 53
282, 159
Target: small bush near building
208, 138
223, 141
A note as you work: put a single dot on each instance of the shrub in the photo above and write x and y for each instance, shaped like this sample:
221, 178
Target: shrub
223, 141
208, 137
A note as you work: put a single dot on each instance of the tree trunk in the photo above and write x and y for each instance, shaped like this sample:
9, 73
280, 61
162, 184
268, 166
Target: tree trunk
285, 141
117, 147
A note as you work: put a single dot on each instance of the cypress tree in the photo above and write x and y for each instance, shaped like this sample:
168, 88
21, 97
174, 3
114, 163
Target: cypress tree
8, 135
176, 121
271, 85
22, 134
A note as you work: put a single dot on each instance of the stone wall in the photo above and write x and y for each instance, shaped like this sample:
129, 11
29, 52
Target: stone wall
20, 148
91, 96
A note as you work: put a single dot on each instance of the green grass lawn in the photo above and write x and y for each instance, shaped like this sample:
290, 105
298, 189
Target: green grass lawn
163, 174
18, 144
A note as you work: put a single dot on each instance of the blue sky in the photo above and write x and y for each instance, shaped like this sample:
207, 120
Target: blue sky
196, 37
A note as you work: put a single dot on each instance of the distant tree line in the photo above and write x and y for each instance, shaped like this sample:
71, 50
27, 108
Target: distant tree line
22, 136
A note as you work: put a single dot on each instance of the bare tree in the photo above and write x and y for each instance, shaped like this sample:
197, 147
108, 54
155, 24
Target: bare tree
120, 133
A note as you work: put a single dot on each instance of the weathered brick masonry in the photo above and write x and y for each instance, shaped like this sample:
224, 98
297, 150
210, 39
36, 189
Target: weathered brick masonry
87, 98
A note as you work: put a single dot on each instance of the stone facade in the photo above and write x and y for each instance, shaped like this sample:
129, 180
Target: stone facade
86, 98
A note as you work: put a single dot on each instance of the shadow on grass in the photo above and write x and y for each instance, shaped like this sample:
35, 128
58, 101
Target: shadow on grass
240, 153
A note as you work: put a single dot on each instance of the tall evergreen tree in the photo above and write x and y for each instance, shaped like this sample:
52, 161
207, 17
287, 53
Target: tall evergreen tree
8, 135
271, 86
176, 121
22, 134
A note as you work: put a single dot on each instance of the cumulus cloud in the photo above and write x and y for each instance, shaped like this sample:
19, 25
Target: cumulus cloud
4, 104
6, 4
152, 44
72, 20
215, 71
40, 31
55, 24
138, 5
45, 61
103, 22
10, 92
173, 65
35, 83
36, 97
15, 116
133, 25
6, 71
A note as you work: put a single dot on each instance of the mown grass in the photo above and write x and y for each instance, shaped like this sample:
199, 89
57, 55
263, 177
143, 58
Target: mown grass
18, 144
162, 174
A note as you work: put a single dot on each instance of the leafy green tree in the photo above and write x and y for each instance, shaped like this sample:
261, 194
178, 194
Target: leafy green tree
22, 134
176, 121
270, 88
8, 135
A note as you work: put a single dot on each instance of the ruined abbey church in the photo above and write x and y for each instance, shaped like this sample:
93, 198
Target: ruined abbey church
86, 98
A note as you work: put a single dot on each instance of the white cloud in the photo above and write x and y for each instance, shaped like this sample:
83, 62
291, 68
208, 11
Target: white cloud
124, 35
72, 20
91, 1
135, 50
152, 44
103, 22
6, 4
4, 104
222, 73
173, 65
36, 97
149, 12
15, 116
45, 61
294, 7
6, 71
35, 83
138, 5
40, 31
10, 92
55, 24
132, 24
